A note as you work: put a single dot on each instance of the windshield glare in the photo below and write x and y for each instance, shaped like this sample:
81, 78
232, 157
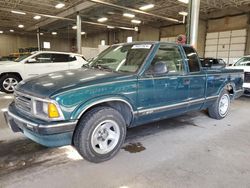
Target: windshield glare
122, 58
22, 57
245, 61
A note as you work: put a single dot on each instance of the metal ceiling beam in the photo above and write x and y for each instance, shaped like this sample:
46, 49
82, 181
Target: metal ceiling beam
135, 10
64, 14
54, 18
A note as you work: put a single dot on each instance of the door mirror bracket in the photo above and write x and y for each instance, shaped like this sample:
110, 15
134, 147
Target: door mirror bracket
160, 68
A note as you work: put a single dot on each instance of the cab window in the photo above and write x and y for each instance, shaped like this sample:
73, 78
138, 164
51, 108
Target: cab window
170, 59
192, 58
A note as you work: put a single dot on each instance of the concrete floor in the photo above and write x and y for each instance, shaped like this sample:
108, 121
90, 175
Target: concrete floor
188, 151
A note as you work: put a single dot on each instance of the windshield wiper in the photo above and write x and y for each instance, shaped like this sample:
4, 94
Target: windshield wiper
103, 67
85, 65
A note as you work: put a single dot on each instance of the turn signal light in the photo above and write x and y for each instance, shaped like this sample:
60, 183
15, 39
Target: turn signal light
52, 111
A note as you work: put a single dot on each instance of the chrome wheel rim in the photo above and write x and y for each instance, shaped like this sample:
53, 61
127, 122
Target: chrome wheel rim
105, 137
224, 105
9, 84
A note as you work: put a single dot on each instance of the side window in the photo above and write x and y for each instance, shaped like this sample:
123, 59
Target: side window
71, 58
171, 57
56, 58
193, 61
43, 58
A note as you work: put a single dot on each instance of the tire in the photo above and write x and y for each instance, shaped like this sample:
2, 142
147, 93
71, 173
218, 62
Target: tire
100, 134
220, 108
8, 82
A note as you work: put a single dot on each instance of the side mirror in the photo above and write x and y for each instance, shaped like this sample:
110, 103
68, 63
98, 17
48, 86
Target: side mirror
160, 68
31, 60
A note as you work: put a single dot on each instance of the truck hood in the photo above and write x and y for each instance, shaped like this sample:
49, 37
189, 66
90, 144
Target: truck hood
45, 86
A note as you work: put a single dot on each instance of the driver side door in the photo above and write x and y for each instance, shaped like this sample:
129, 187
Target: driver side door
166, 94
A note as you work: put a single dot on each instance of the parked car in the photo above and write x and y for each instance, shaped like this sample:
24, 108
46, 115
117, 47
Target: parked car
125, 86
37, 63
7, 58
244, 64
210, 62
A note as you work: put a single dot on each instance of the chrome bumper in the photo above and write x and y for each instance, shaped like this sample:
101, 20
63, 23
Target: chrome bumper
18, 124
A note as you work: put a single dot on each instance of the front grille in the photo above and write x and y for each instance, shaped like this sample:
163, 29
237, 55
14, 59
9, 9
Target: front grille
247, 77
23, 102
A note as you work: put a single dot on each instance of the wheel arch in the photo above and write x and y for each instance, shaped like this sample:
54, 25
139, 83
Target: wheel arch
121, 105
14, 73
230, 87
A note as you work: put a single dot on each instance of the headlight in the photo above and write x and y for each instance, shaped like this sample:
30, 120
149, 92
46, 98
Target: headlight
46, 110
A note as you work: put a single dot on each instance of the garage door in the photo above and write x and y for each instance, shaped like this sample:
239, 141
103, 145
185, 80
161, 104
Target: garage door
228, 45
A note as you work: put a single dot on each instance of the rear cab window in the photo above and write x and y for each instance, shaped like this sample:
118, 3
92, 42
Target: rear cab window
192, 59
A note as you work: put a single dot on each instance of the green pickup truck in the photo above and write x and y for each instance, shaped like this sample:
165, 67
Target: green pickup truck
125, 86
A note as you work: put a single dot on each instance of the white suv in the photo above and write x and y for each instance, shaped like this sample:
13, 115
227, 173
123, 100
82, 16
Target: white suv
35, 64
244, 63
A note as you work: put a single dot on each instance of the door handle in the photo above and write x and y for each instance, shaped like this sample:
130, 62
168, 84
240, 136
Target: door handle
186, 81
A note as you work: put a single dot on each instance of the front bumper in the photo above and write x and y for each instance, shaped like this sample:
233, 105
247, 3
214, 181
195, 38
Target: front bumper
50, 134
246, 87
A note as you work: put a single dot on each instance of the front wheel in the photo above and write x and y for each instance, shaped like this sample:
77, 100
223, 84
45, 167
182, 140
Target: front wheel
8, 82
220, 108
100, 134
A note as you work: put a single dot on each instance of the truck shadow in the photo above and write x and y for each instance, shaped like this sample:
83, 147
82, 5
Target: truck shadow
20, 154
159, 126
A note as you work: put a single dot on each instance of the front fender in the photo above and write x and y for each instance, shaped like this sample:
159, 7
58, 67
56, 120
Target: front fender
83, 107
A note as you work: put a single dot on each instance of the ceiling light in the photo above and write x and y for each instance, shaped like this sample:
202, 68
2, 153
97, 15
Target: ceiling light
128, 15
1, 32
110, 12
183, 13
60, 5
54, 33
11, 30
18, 12
136, 21
37, 17
146, 7
184, 1
21, 26
74, 27
110, 27
103, 19
83, 33
136, 29
41, 33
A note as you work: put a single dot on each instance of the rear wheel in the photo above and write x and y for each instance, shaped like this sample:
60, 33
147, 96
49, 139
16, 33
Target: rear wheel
220, 108
8, 82
100, 134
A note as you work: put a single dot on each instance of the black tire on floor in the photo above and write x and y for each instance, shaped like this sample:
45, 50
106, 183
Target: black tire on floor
96, 130
14, 79
215, 111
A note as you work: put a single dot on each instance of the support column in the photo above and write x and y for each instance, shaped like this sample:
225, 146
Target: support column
38, 39
193, 22
78, 33
247, 50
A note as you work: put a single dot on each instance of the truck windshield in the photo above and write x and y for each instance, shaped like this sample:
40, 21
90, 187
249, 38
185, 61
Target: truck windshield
122, 58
